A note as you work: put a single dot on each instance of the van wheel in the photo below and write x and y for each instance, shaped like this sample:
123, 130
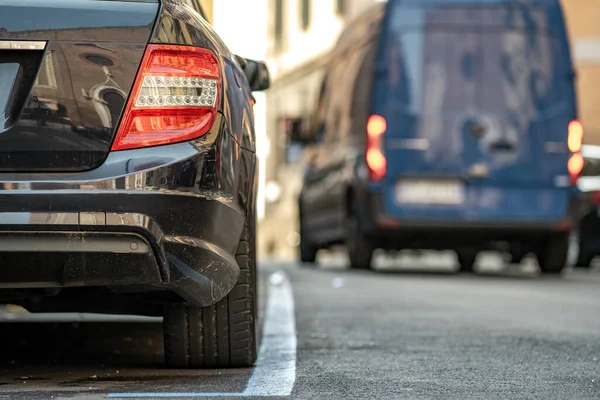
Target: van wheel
360, 249
553, 254
466, 259
584, 256
308, 252
222, 335
584, 260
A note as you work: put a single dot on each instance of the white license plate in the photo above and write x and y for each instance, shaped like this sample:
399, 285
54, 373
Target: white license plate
430, 192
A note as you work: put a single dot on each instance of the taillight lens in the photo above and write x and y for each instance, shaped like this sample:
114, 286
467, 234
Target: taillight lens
575, 142
575, 139
174, 98
575, 166
376, 161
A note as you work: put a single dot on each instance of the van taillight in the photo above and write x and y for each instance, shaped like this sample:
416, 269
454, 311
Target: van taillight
376, 127
575, 143
575, 138
174, 98
575, 166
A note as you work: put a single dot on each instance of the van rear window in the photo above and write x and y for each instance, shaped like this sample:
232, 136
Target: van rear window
469, 66
538, 16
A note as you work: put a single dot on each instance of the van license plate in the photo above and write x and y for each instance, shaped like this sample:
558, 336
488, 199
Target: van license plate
430, 192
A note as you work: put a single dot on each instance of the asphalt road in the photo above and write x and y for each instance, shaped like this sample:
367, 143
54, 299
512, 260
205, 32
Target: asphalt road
417, 332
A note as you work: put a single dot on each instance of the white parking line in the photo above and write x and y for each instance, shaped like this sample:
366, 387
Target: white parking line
275, 371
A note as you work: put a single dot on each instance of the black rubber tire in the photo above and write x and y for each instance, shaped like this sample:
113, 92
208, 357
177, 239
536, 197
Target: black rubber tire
466, 259
223, 335
553, 254
584, 260
308, 251
516, 258
360, 249
585, 256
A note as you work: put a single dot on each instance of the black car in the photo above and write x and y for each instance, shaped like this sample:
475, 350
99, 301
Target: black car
128, 170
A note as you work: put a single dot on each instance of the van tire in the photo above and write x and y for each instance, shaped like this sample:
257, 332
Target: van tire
466, 259
553, 254
223, 335
584, 260
360, 249
308, 252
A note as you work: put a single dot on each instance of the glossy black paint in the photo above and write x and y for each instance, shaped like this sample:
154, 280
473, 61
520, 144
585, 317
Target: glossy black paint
70, 113
180, 24
187, 201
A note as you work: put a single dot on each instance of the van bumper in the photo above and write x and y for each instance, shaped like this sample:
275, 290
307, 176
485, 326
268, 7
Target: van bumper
444, 234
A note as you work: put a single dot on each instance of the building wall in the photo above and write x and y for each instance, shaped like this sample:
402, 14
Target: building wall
584, 29
296, 65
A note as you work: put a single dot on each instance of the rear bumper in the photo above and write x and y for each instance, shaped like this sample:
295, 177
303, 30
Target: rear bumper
444, 234
165, 218
129, 249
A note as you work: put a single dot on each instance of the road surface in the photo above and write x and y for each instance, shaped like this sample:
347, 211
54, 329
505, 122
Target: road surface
418, 332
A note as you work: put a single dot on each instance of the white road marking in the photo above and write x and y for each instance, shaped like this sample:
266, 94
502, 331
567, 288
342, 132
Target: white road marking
275, 370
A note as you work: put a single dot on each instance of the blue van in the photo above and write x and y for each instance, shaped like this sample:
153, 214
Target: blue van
447, 125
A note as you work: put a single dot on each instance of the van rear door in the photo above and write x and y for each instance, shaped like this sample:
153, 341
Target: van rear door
477, 105
527, 104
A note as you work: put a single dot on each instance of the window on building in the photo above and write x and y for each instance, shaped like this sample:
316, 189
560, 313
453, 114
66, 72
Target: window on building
279, 22
341, 7
305, 14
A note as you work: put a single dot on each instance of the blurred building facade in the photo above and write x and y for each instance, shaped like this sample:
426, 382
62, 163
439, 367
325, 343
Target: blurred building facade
582, 21
301, 34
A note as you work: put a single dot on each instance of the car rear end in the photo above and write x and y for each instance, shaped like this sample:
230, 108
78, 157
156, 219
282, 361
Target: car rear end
115, 166
472, 118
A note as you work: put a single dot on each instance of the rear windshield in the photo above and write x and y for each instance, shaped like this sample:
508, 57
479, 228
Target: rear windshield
539, 16
500, 50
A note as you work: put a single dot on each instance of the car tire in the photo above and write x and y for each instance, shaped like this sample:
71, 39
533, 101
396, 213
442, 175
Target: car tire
585, 256
223, 335
466, 259
360, 248
584, 260
553, 254
308, 251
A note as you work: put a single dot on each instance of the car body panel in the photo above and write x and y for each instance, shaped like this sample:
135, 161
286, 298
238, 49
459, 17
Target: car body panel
72, 104
174, 214
477, 87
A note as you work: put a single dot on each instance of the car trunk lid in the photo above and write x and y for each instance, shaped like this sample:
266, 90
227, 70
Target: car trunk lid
65, 73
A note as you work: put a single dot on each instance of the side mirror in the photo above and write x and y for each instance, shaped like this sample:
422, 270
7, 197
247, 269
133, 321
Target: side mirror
257, 74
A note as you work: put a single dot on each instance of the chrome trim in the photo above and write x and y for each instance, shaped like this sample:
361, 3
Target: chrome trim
556, 147
590, 151
22, 45
409, 144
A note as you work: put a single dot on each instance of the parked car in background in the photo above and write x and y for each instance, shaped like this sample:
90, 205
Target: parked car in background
587, 234
446, 125
128, 171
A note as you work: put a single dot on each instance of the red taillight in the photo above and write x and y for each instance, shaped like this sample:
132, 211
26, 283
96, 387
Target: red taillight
174, 98
575, 138
376, 161
596, 198
575, 166
575, 143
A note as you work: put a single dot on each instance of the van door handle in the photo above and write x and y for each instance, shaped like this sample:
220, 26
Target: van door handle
502, 146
